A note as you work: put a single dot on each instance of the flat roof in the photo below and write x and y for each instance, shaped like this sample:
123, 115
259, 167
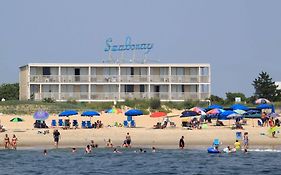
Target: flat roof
118, 64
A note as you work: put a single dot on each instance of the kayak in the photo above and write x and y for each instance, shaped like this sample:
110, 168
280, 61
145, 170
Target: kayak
212, 150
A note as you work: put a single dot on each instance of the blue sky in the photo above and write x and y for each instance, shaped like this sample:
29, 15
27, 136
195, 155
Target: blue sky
238, 38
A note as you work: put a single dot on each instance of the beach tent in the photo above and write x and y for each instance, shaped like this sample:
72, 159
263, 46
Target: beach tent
239, 106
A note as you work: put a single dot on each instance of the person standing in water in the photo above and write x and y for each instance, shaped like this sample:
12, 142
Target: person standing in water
246, 141
181, 143
56, 135
6, 141
14, 141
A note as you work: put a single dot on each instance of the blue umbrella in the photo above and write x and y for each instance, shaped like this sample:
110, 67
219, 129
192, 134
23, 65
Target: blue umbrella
214, 106
90, 113
68, 113
189, 114
41, 115
224, 114
133, 112
239, 106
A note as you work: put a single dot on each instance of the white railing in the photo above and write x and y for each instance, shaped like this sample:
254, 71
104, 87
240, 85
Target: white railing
119, 79
122, 96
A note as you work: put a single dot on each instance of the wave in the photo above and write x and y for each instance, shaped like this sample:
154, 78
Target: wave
264, 150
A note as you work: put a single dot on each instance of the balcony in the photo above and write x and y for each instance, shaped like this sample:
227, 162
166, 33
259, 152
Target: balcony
44, 78
119, 79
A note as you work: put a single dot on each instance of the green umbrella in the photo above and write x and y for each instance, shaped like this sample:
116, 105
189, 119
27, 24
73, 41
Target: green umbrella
16, 119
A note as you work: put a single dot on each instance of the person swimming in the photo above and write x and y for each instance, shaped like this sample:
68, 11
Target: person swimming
88, 149
73, 150
116, 151
45, 152
153, 149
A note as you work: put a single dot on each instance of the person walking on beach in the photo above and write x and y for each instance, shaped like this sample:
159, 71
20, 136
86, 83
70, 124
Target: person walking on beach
128, 140
14, 142
6, 141
246, 141
56, 135
181, 143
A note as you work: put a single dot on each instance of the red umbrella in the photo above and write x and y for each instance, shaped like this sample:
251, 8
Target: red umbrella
158, 114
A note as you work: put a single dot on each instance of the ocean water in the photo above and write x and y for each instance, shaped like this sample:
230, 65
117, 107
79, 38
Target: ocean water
104, 161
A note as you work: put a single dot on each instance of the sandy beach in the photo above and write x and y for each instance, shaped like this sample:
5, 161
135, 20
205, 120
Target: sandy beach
142, 136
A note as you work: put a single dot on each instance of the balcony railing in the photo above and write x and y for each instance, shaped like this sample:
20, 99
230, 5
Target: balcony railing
122, 96
118, 79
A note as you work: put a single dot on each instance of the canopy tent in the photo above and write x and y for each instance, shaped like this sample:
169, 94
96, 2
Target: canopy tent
214, 106
266, 106
239, 106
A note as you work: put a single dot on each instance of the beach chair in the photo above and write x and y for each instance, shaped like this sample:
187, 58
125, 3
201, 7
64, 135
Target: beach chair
60, 122
129, 118
83, 124
238, 136
54, 123
125, 123
89, 124
75, 123
133, 124
216, 142
260, 123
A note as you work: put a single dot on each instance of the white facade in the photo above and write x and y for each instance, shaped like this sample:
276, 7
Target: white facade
115, 82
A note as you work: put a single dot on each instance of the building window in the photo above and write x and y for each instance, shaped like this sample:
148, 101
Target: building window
46, 71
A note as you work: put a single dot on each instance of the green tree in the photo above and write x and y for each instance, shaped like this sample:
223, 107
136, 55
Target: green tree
216, 100
230, 97
9, 91
265, 87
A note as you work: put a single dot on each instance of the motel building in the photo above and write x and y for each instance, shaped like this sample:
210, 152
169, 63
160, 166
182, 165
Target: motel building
114, 81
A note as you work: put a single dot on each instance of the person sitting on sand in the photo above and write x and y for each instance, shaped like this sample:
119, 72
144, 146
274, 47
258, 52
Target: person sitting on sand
6, 141
109, 143
14, 142
128, 140
88, 149
125, 144
93, 145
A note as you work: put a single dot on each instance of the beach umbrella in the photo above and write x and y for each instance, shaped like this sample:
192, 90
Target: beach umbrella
262, 101
214, 106
198, 110
265, 106
215, 111
113, 110
158, 114
41, 115
133, 112
90, 113
239, 111
189, 114
239, 106
68, 113
274, 115
16, 119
